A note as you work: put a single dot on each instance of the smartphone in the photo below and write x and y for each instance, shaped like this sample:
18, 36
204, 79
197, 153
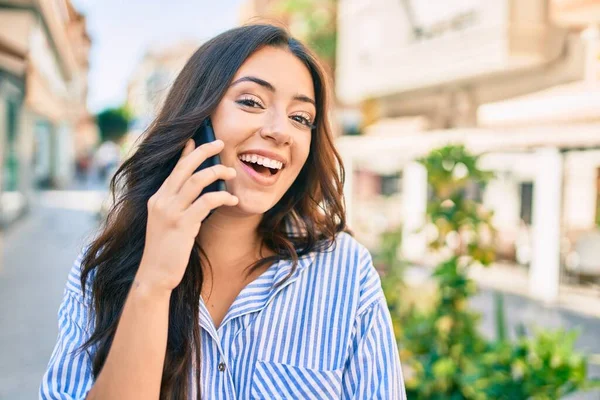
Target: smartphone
205, 134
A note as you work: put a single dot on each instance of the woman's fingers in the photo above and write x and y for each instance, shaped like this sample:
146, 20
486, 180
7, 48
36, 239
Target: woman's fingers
209, 201
188, 162
188, 148
197, 182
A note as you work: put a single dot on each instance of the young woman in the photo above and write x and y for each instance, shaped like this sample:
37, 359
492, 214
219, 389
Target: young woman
268, 298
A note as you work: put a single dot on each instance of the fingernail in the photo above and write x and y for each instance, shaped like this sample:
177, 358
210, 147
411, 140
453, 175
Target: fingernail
218, 142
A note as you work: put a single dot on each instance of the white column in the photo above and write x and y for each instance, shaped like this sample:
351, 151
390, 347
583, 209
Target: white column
591, 39
544, 272
414, 208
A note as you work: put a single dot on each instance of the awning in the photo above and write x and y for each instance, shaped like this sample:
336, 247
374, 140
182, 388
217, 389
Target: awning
387, 147
560, 104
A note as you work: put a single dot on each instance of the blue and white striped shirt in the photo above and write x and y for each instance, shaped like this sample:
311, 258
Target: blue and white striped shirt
324, 334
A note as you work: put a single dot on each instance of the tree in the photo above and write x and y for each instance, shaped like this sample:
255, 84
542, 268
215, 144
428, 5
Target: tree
113, 123
314, 22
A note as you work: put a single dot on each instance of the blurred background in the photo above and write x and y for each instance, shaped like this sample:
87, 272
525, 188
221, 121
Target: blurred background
470, 133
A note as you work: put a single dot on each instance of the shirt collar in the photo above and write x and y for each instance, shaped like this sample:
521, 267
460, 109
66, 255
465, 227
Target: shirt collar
258, 293
284, 268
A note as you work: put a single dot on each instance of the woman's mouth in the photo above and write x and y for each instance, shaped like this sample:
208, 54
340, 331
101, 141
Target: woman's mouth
262, 165
264, 170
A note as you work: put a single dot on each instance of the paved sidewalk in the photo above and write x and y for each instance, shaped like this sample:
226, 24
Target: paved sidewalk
514, 279
39, 251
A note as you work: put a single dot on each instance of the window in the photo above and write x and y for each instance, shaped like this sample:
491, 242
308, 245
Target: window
11, 161
390, 184
526, 202
474, 191
42, 161
430, 20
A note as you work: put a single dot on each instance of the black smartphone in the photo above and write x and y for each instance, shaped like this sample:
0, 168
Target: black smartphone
205, 134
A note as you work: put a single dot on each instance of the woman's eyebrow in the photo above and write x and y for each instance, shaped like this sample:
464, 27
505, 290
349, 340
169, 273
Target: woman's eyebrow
267, 85
254, 79
306, 99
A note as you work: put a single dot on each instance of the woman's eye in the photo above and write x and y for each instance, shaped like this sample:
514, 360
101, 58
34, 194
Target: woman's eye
303, 120
250, 103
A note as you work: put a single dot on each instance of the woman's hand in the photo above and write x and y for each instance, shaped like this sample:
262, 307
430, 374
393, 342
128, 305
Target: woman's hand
175, 214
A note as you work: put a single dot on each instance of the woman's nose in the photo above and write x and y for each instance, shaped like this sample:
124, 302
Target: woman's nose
275, 128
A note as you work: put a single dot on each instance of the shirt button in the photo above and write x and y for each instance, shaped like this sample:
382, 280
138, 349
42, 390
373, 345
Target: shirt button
222, 366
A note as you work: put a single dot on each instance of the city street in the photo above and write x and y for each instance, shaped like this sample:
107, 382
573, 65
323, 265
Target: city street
40, 249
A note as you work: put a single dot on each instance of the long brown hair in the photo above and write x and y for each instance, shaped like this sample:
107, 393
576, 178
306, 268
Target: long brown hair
306, 219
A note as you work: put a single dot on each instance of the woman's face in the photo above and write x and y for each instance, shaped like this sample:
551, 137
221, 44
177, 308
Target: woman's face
265, 121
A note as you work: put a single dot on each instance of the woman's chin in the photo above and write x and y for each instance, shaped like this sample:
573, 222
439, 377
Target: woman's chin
253, 207
248, 207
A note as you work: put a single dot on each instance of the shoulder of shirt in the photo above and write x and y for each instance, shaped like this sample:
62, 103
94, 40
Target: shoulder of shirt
73, 285
346, 243
350, 259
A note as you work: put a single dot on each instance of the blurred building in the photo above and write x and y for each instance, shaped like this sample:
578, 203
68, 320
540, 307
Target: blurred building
152, 79
44, 122
251, 10
311, 21
518, 81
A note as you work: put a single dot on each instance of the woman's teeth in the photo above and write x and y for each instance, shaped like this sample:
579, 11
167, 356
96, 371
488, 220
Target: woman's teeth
264, 161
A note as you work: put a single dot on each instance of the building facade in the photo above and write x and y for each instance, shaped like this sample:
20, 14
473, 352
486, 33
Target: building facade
44, 122
152, 79
517, 81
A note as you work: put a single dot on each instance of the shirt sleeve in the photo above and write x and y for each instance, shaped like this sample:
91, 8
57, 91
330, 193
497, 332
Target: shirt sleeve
373, 369
69, 372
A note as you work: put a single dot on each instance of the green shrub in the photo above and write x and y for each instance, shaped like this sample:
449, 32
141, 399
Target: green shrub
444, 355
